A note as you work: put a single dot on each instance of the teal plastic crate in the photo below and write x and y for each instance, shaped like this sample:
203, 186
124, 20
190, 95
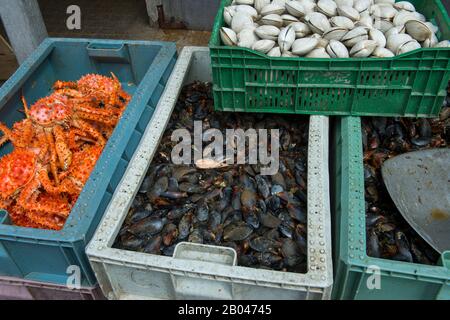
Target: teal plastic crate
413, 84
353, 268
143, 68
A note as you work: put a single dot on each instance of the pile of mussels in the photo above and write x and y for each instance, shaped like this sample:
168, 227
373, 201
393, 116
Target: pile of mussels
388, 234
262, 217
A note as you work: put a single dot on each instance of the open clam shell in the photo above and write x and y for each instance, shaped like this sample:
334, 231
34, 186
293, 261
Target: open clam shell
418, 30
354, 36
228, 36
288, 19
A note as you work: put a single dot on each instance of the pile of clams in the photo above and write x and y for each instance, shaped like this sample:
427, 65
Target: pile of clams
328, 28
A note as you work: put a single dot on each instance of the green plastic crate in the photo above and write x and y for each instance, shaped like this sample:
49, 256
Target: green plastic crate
413, 84
352, 267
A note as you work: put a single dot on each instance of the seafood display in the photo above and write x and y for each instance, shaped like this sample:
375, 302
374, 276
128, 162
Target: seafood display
262, 217
328, 28
388, 234
56, 147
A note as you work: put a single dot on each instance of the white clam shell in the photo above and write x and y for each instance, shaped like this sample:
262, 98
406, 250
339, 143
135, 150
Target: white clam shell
228, 13
419, 16
430, 42
248, 10
263, 46
240, 21
402, 17
247, 2
303, 46
289, 54
341, 3
378, 37
295, 8
286, 38
317, 22
383, 25
354, 36
344, 22
337, 49
267, 32
273, 9
382, 53
272, 20
395, 30
327, 7
363, 49
308, 5
321, 42
274, 52
383, 11
301, 29
335, 33
432, 27
288, 19
365, 20
228, 36
396, 40
408, 46
384, 1
348, 12
259, 4
418, 30
404, 5
361, 5
443, 44
318, 53
246, 38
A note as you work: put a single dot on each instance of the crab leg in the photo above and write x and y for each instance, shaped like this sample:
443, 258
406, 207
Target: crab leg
86, 127
62, 150
53, 155
66, 186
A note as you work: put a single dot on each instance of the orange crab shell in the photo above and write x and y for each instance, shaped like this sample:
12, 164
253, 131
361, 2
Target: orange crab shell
16, 170
51, 109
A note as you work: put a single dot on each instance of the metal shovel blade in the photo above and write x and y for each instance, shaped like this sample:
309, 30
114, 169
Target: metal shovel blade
419, 185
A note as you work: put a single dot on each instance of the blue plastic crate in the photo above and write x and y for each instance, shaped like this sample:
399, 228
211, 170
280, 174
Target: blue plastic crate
143, 67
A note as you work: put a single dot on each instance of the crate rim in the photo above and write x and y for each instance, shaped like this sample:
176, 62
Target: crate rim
100, 247
76, 226
348, 249
218, 23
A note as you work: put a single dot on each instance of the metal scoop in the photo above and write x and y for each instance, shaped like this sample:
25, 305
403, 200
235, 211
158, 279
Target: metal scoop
419, 185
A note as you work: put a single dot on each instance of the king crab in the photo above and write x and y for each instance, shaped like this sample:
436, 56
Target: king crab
20, 185
50, 117
97, 88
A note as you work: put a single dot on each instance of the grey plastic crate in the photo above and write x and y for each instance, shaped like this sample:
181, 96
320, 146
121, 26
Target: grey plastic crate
204, 271
22, 289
